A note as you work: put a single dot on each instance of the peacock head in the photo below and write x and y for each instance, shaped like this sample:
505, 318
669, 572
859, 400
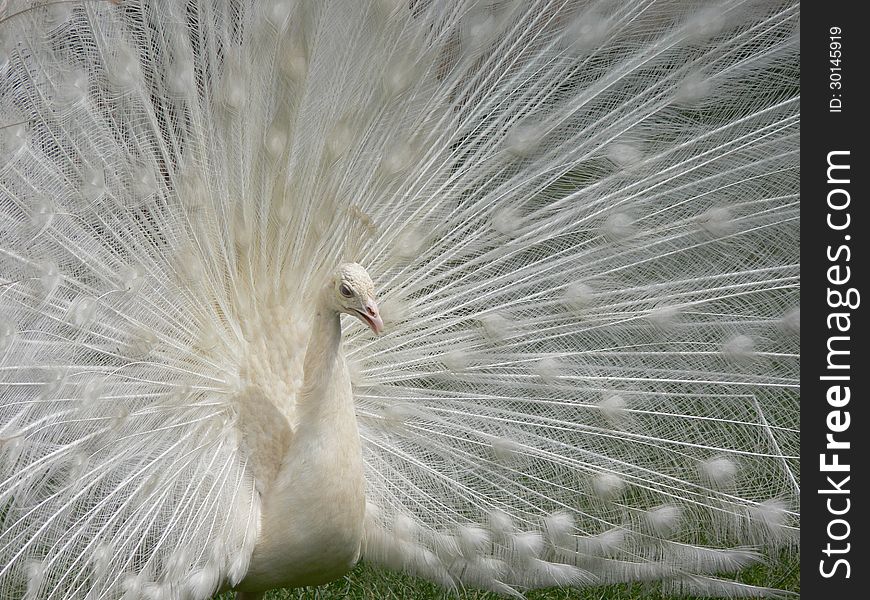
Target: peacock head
354, 294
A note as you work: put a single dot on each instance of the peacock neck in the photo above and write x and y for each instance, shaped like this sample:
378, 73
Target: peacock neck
322, 360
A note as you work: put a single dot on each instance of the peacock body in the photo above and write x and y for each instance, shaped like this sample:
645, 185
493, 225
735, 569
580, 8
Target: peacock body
581, 220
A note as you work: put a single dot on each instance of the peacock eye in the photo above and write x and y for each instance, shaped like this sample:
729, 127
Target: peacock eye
345, 291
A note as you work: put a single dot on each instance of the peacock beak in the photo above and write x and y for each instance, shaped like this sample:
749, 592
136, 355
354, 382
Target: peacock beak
371, 316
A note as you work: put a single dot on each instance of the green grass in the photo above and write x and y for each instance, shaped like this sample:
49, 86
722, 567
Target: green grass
370, 583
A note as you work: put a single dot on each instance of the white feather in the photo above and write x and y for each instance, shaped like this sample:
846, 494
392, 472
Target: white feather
582, 219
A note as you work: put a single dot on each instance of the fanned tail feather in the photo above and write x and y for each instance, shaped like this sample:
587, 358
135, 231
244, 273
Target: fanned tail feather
582, 220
